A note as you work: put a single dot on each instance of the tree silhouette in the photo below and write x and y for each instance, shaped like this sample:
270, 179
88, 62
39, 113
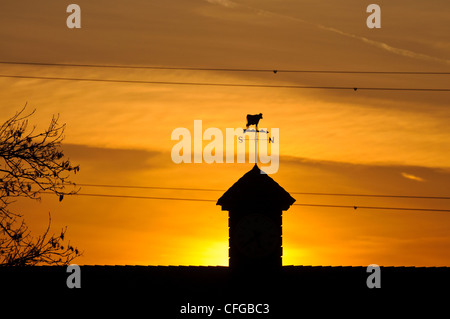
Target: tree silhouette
32, 164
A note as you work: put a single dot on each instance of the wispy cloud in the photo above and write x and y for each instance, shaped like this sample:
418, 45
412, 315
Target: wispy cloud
412, 177
385, 46
225, 3
378, 44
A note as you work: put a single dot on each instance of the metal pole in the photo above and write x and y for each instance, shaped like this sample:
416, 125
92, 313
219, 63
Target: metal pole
256, 147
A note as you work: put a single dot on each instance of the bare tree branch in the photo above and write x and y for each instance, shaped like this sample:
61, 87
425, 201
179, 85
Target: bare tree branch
31, 164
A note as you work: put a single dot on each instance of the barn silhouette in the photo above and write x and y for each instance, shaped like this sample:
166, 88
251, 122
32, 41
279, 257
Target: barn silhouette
255, 276
255, 204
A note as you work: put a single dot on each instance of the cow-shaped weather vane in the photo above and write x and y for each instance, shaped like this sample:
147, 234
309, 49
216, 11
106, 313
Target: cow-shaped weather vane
254, 120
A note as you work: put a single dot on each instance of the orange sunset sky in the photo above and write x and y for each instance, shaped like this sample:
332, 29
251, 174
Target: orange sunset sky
334, 141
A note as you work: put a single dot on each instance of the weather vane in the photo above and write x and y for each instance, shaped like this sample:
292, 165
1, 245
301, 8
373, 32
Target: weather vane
254, 120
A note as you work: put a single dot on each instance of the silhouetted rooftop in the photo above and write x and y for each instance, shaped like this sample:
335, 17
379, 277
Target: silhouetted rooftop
257, 189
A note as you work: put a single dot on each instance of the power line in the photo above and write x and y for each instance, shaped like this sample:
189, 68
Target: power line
376, 207
150, 67
307, 205
152, 187
373, 195
226, 84
145, 197
297, 193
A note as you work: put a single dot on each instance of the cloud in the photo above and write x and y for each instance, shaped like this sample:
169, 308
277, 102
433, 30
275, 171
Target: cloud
112, 163
363, 178
384, 46
412, 177
378, 44
225, 3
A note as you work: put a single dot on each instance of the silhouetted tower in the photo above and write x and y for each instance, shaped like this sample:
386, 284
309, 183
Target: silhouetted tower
255, 204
